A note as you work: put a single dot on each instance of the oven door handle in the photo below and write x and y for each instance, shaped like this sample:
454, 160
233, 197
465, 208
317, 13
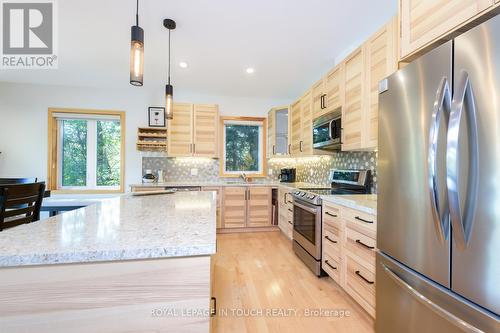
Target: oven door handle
306, 208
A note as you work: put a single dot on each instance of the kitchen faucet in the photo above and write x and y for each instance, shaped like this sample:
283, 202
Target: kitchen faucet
244, 177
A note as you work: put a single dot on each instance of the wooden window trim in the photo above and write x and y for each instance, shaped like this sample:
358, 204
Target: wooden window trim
222, 172
52, 172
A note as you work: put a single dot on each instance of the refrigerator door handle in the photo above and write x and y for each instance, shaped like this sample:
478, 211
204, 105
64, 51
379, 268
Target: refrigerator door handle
463, 99
442, 106
463, 325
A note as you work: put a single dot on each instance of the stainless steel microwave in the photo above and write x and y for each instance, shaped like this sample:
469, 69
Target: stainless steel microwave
327, 131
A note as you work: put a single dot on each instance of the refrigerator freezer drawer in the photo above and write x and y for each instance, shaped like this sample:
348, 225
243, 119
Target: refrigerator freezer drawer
408, 302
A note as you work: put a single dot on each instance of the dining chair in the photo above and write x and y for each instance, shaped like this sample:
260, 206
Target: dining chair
20, 203
4, 181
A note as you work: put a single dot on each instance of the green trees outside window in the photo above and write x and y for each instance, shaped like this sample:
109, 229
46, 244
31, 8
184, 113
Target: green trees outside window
74, 151
108, 153
90, 152
242, 148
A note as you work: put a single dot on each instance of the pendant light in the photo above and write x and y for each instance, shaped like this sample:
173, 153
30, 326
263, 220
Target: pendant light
137, 52
169, 90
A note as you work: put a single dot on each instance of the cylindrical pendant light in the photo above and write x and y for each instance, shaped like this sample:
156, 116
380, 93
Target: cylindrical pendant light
137, 52
169, 89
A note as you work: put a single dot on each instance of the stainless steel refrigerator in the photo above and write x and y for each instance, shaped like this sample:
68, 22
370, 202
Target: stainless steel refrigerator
438, 269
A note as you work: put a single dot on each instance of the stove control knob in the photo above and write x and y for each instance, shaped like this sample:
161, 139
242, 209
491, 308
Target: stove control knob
302, 194
312, 196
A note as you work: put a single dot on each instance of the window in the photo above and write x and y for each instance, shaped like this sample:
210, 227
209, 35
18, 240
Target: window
243, 146
86, 150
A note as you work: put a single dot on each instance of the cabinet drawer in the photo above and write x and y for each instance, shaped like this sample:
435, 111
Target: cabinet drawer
331, 244
361, 246
366, 222
360, 283
331, 214
332, 267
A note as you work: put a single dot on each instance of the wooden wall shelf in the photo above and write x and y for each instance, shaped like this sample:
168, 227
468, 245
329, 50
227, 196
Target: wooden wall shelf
152, 139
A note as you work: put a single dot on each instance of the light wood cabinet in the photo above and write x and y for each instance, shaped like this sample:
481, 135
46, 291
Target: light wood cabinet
296, 128
318, 98
246, 207
425, 22
363, 69
348, 252
354, 101
334, 90
206, 119
301, 126
218, 192
332, 251
180, 131
234, 207
271, 134
285, 207
259, 206
306, 119
193, 130
278, 132
328, 93
381, 61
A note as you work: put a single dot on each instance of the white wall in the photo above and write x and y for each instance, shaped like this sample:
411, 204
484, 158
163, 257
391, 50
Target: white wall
23, 120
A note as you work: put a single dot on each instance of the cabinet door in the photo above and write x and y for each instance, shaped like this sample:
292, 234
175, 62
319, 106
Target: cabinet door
425, 21
271, 133
259, 206
296, 128
381, 61
306, 120
180, 131
234, 207
281, 131
206, 120
318, 90
352, 113
218, 192
334, 88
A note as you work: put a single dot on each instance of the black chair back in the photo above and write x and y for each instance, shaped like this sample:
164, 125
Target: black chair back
20, 203
4, 181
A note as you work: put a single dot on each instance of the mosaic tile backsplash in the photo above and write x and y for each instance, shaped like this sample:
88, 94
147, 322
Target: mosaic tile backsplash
180, 169
313, 169
316, 169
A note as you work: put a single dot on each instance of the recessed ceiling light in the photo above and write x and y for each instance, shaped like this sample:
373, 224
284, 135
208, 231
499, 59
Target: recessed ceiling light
183, 64
250, 70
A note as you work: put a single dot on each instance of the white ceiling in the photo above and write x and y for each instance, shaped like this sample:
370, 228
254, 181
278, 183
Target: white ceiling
290, 43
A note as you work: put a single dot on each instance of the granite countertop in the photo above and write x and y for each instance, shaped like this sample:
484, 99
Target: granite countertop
121, 228
363, 202
273, 183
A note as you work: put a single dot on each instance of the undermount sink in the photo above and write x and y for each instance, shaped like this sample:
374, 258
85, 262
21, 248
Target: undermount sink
235, 182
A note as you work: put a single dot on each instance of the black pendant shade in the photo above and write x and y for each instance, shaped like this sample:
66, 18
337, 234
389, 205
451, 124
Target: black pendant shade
137, 52
169, 89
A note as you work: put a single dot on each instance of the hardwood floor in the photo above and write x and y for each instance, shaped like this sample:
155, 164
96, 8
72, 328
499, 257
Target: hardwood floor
256, 273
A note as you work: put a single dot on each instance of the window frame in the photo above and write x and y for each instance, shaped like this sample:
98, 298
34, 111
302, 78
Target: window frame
54, 149
262, 143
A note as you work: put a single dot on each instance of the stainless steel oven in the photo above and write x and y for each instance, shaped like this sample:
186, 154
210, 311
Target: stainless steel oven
327, 131
307, 233
307, 219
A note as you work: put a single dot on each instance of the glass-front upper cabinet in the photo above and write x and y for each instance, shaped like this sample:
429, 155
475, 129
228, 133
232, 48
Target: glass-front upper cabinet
278, 132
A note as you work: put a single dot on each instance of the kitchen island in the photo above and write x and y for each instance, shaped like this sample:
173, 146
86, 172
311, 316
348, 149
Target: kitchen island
125, 264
